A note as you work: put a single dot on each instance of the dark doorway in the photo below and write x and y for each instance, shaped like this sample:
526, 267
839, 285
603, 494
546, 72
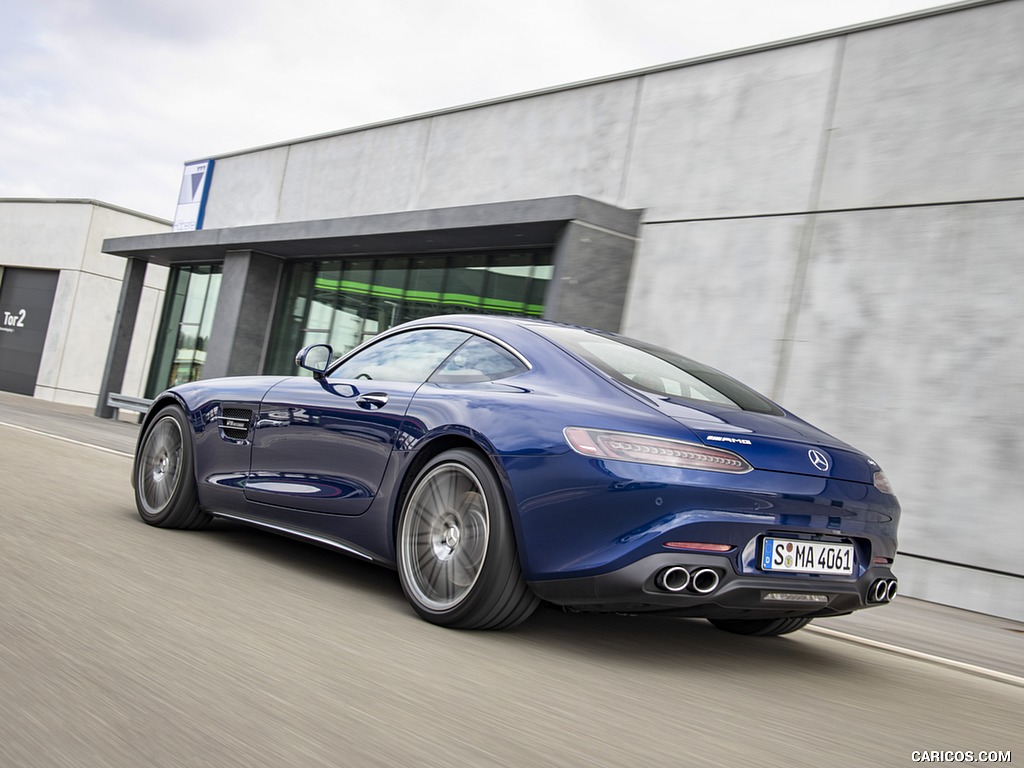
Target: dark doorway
26, 298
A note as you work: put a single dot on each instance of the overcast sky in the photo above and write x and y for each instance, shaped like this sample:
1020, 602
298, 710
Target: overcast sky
107, 99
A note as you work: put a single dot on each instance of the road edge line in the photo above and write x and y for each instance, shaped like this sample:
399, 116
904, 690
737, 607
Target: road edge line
973, 669
66, 439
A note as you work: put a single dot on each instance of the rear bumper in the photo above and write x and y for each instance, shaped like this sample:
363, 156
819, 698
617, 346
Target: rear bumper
635, 588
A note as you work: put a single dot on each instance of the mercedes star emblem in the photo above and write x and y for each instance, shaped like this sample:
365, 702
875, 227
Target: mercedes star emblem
818, 459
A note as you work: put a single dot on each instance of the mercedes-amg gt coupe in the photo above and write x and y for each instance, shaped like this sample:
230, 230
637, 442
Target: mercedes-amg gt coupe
498, 463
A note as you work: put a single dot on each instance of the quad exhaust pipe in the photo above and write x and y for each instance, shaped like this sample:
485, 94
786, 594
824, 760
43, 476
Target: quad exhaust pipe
705, 581
675, 578
883, 591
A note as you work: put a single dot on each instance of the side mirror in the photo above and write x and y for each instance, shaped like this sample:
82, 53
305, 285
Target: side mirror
315, 358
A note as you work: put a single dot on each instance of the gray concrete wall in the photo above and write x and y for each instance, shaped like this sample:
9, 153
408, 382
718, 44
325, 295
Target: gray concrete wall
244, 314
68, 236
836, 221
909, 344
887, 308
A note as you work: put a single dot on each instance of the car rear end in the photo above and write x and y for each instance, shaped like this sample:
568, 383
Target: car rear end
723, 505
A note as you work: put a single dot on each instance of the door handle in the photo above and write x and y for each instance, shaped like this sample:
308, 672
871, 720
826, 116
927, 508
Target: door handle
372, 400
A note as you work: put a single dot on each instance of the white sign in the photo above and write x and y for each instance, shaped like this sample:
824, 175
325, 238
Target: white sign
12, 320
195, 185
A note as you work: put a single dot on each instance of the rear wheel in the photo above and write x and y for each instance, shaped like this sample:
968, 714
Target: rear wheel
456, 549
761, 627
165, 484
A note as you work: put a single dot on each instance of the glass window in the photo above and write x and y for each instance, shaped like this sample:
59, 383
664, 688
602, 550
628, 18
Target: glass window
209, 307
410, 356
464, 286
297, 287
656, 370
320, 314
509, 283
344, 302
538, 287
185, 327
350, 328
478, 360
196, 300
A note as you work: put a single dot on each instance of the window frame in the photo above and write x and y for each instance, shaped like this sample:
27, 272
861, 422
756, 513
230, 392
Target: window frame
520, 365
332, 372
399, 330
741, 396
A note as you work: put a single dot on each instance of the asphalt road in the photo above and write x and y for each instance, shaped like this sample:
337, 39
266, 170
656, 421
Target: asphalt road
126, 645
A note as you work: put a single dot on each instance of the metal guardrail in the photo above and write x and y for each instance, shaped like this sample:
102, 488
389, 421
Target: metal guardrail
128, 403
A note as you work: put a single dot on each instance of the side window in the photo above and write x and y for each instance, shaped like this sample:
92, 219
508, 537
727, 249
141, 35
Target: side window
410, 356
478, 360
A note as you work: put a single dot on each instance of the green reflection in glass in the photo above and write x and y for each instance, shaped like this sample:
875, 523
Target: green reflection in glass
185, 326
347, 301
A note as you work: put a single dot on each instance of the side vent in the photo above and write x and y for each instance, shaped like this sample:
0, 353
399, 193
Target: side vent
235, 423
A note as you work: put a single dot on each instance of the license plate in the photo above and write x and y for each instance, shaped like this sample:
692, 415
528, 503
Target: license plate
791, 556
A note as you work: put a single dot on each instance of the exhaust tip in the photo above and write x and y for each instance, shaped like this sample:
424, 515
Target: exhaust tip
878, 591
892, 591
673, 579
705, 581
883, 591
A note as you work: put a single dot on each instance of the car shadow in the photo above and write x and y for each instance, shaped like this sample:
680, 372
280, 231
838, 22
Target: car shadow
320, 561
641, 641
651, 641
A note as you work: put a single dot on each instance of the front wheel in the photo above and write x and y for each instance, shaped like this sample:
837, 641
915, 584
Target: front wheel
761, 627
163, 475
457, 557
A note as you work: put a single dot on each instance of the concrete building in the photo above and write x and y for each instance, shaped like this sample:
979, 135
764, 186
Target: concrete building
835, 220
59, 296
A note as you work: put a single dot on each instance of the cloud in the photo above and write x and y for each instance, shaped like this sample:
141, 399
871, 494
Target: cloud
108, 98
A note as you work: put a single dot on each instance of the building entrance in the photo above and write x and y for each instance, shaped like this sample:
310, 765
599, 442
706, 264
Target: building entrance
26, 299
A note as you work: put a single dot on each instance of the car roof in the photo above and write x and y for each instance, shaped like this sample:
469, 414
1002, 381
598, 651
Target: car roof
490, 322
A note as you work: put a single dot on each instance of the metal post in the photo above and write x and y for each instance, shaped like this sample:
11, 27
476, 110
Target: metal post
121, 336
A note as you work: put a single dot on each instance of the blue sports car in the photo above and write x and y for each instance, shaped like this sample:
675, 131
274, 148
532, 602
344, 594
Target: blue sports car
499, 462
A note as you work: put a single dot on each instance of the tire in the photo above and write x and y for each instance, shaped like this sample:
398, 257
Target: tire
761, 627
456, 550
164, 475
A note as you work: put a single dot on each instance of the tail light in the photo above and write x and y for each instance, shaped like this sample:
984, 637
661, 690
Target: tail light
882, 483
644, 449
698, 546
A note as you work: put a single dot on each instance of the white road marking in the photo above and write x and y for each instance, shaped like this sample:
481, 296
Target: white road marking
972, 669
67, 439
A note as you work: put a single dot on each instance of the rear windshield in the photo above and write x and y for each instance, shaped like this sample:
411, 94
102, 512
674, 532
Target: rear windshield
656, 370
